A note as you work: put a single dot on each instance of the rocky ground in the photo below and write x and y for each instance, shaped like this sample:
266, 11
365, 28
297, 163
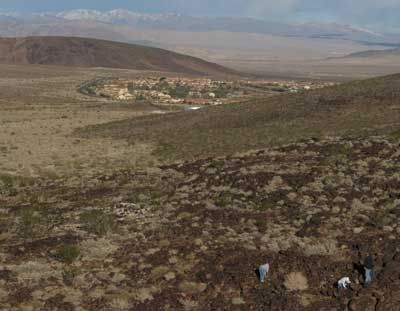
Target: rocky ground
190, 235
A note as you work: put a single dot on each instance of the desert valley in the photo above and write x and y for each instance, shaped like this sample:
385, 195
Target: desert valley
133, 177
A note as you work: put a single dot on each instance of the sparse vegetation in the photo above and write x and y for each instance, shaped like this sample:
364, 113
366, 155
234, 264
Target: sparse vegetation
296, 281
223, 199
192, 287
381, 217
264, 205
348, 109
5, 223
97, 222
28, 223
7, 181
395, 135
69, 274
66, 253
186, 234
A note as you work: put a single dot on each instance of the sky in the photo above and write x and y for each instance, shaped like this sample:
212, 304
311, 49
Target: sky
380, 15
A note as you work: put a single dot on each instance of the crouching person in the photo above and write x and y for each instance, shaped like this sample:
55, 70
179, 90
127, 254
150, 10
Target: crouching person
343, 283
263, 271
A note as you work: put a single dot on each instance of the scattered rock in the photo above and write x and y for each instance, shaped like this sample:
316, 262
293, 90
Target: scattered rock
169, 276
238, 301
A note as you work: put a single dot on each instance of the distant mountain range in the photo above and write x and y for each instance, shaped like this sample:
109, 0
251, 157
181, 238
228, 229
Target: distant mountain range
375, 54
178, 22
245, 44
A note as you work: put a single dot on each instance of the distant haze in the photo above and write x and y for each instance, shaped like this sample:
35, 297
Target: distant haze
379, 15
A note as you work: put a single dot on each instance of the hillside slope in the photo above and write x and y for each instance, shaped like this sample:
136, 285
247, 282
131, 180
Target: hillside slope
370, 106
82, 52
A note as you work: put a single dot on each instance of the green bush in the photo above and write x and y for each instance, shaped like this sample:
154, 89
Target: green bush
97, 222
66, 253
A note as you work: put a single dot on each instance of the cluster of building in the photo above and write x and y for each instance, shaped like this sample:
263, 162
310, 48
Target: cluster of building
292, 86
168, 90
191, 91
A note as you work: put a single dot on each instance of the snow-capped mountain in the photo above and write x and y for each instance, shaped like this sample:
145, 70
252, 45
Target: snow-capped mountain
27, 17
117, 16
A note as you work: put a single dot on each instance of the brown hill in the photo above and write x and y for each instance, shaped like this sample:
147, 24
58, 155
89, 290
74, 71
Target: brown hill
83, 52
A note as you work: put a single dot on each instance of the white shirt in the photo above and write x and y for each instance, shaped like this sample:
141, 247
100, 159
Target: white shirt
344, 282
266, 267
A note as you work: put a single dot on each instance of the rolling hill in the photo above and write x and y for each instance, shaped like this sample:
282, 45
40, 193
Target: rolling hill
83, 52
356, 108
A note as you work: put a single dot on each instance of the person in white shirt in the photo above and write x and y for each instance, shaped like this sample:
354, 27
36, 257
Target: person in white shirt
343, 283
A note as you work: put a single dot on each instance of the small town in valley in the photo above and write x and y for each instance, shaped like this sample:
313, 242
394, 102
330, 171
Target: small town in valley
192, 91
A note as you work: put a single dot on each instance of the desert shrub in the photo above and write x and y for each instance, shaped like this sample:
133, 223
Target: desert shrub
223, 199
164, 151
264, 206
5, 223
335, 160
7, 180
66, 253
97, 222
69, 274
192, 287
28, 223
8, 184
296, 281
395, 135
339, 154
381, 217
51, 218
324, 248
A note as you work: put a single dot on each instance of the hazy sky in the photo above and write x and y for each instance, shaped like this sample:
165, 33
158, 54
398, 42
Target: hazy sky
379, 14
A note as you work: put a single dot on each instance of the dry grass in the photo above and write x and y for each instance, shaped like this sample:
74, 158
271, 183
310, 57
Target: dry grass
40, 108
296, 281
